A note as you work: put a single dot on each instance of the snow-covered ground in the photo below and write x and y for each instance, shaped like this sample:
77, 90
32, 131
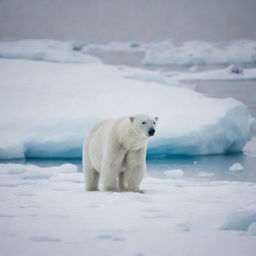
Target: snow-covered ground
48, 108
45, 211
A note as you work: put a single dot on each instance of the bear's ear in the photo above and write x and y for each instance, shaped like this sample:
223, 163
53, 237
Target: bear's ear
132, 118
156, 118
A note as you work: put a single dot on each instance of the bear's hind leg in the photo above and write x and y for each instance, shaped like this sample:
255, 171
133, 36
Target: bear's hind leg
111, 168
91, 179
121, 181
109, 176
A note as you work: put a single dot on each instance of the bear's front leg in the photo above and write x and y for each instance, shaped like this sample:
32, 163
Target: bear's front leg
135, 169
134, 178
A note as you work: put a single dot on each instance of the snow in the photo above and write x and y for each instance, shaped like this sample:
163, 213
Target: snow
54, 105
55, 215
152, 77
46, 50
35, 172
174, 173
236, 167
201, 53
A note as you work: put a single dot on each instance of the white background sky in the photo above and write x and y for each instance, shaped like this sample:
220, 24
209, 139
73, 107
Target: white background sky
104, 20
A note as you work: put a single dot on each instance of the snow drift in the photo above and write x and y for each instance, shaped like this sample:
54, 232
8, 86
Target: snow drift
48, 108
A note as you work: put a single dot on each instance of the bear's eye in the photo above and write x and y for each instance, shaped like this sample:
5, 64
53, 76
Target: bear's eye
154, 122
143, 122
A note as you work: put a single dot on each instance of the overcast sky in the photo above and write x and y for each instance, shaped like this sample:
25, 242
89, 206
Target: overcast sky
147, 20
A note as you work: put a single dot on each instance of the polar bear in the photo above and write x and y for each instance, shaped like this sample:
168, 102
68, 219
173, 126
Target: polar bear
115, 153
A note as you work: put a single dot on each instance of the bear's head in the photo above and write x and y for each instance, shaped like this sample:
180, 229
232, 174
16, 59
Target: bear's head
145, 124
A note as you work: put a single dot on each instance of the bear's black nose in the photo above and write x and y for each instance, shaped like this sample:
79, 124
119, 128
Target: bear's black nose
151, 131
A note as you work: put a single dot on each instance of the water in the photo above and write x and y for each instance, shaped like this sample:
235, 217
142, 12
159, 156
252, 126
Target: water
218, 165
244, 91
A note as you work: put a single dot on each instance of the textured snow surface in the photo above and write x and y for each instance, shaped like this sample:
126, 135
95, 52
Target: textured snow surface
46, 110
51, 214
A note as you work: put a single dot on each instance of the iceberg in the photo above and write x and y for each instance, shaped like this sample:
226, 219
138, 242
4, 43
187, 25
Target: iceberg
204, 174
236, 167
47, 109
177, 173
230, 73
200, 53
252, 229
168, 52
45, 50
240, 219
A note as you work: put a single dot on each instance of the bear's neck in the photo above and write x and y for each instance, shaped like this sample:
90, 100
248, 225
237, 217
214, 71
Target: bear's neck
129, 137
133, 141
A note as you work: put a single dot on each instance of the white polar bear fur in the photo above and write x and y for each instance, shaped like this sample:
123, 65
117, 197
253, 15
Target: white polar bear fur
115, 153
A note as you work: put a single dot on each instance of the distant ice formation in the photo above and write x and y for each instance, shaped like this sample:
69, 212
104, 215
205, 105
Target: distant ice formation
236, 167
177, 173
46, 50
201, 53
190, 53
